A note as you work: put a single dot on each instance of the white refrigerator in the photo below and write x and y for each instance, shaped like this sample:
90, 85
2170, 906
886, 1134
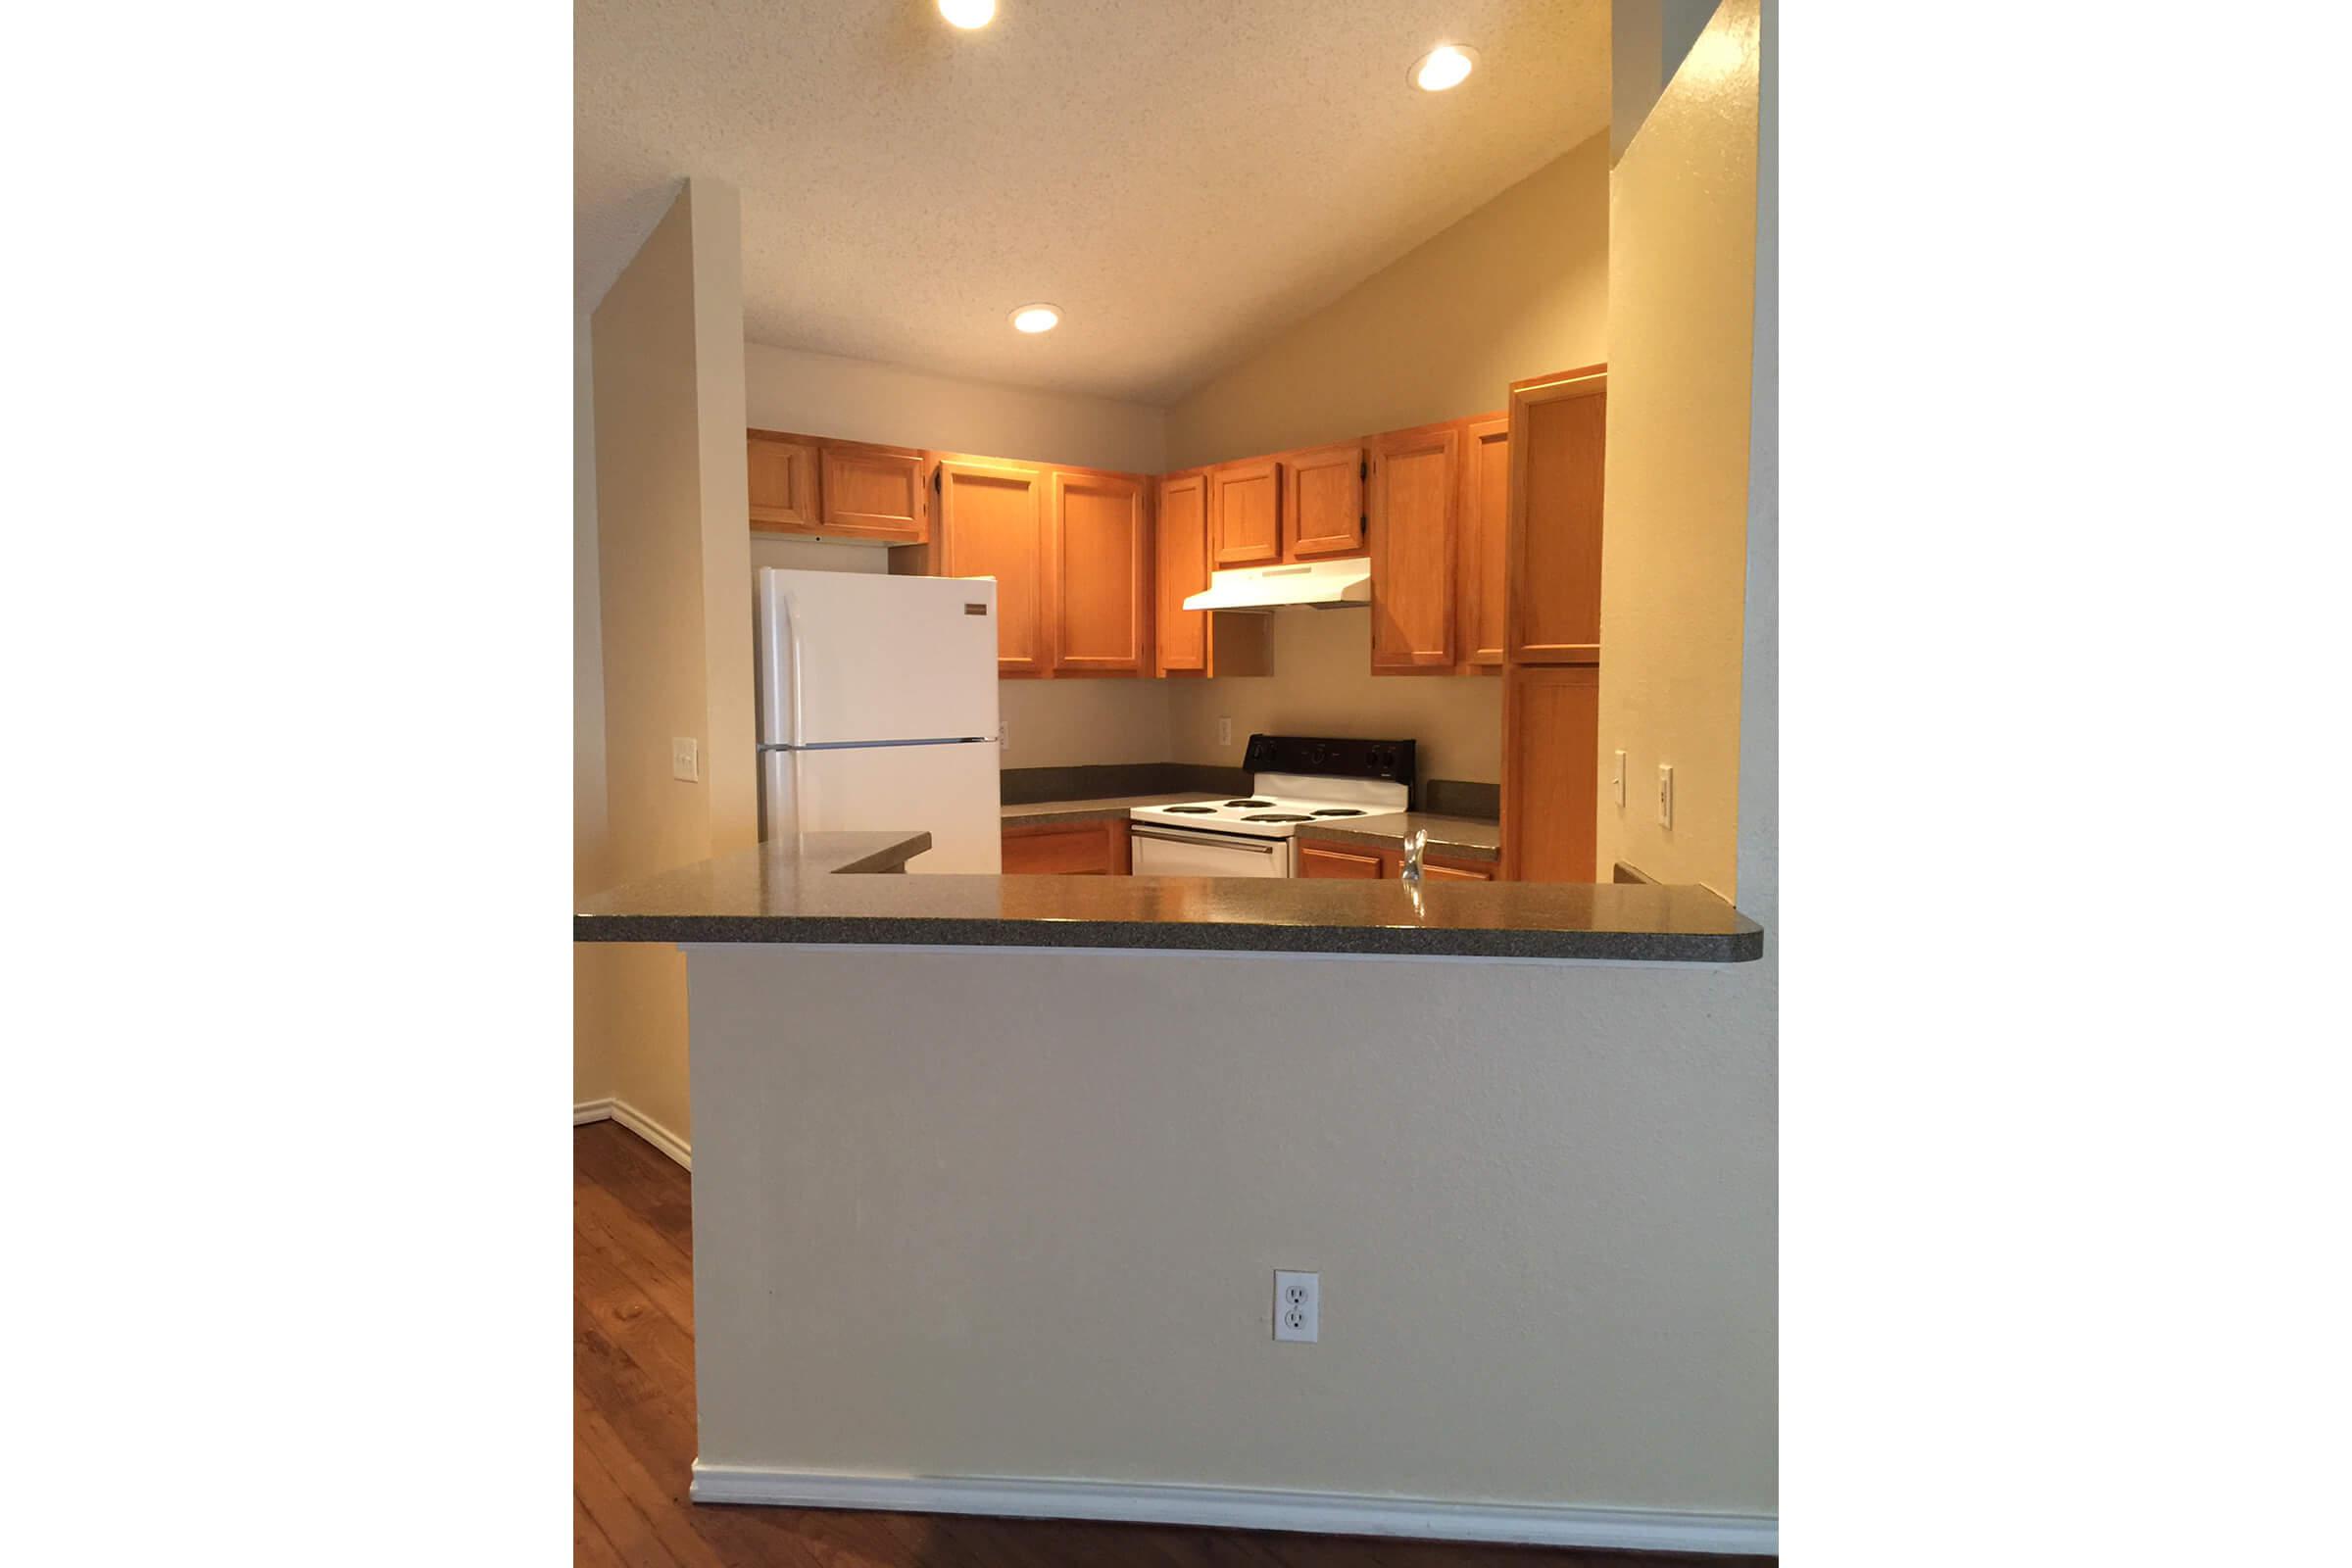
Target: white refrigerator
878, 709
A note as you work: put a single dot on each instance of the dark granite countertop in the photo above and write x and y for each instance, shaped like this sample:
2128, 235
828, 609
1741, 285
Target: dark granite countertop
780, 892
1039, 813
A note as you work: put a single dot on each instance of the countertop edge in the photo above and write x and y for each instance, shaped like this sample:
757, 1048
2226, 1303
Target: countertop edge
835, 930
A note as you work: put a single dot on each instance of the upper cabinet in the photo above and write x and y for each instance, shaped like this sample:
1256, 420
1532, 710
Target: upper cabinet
1099, 533
783, 475
1183, 571
1558, 426
1245, 512
1416, 486
1481, 531
1323, 502
992, 523
872, 492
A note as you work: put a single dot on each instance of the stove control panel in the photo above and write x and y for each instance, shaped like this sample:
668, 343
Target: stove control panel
1332, 758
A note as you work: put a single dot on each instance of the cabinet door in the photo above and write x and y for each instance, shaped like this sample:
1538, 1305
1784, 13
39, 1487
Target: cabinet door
1456, 870
1551, 762
1073, 849
1183, 529
1558, 426
1245, 514
783, 475
1416, 482
1323, 502
993, 520
1318, 858
872, 492
1480, 533
1102, 563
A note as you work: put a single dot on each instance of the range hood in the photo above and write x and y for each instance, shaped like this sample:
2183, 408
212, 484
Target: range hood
1321, 584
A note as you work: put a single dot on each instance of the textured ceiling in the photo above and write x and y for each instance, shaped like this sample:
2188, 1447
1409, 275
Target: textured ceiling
1182, 176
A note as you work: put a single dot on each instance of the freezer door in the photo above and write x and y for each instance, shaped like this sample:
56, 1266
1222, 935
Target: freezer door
847, 657
950, 790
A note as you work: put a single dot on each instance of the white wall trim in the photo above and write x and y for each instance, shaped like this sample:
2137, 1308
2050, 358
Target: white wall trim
636, 1121
1339, 1513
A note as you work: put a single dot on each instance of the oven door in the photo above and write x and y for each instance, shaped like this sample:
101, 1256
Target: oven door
1164, 851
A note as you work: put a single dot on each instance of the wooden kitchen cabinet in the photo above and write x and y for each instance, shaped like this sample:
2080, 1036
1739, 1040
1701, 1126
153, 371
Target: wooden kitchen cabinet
1435, 870
1100, 571
1067, 848
783, 482
1416, 485
1550, 771
991, 522
1481, 528
1327, 859
872, 492
1183, 571
1323, 502
1557, 439
1245, 514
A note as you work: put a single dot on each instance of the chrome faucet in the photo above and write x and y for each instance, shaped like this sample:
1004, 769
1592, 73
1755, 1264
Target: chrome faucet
1414, 843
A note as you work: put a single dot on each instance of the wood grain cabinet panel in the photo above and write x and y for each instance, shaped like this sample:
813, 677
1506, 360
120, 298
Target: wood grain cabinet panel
1323, 502
1245, 514
1550, 771
1416, 484
1437, 871
1067, 848
1101, 572
1558, 426
992, 519
1482, 531
872, 492
1322, 858
783, 482
1182, 529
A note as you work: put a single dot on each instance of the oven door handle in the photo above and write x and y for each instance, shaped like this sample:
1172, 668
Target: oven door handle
1219, 841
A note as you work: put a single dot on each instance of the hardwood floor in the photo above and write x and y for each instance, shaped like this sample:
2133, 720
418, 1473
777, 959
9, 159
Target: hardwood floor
633, 1436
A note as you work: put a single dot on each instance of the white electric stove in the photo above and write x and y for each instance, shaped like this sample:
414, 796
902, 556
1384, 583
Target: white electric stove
1251, 835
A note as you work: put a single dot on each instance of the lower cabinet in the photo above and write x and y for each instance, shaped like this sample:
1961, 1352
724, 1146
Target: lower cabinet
1550, 771
1368, 864
1067, 848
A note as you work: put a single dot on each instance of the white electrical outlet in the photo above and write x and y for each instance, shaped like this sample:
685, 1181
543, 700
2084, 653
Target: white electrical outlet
683, 764
1297, 1306
1224, 732
1617, 780
1665, 796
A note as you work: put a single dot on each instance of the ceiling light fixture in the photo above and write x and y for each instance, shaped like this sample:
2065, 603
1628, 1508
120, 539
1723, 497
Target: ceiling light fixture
968, 14
1443, 67
1037, 318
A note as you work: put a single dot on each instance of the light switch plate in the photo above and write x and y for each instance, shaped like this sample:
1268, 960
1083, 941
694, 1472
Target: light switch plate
684, 764
1617, 781
1665, 796
1224, 732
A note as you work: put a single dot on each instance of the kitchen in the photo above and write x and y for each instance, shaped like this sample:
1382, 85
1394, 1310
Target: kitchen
999, 682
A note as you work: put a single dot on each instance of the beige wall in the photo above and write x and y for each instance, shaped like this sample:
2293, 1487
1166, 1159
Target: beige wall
1518, 289
856, 400
1323, 685
672, 560
942, 1231
1674, 568
593, 1067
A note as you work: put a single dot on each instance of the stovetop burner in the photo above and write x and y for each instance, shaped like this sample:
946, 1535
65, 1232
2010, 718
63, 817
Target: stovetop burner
1277, 816
1260, 804
1339, 811
1192, 811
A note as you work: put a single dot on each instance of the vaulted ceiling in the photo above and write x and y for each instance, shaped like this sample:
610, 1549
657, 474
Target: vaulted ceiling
1183, 178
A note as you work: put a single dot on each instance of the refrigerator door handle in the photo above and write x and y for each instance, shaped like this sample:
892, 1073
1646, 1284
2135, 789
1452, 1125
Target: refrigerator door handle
792, 641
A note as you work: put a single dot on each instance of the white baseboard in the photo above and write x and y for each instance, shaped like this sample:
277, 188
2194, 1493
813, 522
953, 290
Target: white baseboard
636, 1121
1334, 1513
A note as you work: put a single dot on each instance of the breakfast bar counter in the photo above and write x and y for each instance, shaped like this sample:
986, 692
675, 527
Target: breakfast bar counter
812, 892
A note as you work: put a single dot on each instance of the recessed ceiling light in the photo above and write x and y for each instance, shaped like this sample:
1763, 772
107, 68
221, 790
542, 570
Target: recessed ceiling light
1037, 318
968, 13
1443, 67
